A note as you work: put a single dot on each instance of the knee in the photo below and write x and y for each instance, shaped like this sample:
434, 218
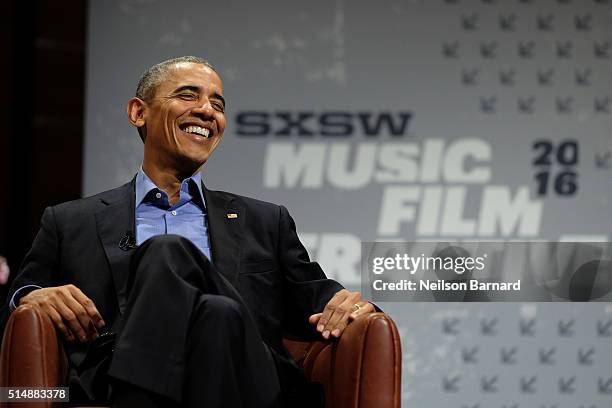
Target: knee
163, 242
170, 248
166, 249
222, 306
161, 249
163, 256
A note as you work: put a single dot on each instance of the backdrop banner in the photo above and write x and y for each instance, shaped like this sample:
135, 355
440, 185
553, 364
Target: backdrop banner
404, 121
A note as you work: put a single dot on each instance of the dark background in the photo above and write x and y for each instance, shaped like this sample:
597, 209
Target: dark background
43, 81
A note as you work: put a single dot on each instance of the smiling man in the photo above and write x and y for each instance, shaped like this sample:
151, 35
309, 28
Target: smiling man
170, 294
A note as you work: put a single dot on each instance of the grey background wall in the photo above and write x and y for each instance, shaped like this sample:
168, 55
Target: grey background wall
403, 120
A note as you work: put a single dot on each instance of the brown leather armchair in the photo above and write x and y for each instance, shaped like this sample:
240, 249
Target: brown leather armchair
360, 370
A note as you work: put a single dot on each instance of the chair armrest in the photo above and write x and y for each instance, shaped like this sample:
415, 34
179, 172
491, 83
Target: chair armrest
31, 354
361, 369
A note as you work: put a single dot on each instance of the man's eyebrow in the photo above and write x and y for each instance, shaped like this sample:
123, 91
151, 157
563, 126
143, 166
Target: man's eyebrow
192, 88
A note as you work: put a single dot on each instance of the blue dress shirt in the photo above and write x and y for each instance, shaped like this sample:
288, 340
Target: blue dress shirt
156, 216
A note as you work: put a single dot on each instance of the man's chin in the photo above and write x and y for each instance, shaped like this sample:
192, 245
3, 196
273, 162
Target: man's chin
189, 165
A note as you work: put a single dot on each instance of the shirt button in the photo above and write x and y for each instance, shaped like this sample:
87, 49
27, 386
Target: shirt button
158, 195
173, 212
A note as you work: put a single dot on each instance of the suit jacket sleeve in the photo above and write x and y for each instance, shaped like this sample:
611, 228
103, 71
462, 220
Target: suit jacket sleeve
306, 288
40, 265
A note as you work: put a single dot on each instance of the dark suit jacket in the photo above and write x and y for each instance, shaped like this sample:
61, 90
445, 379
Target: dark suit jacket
258, 252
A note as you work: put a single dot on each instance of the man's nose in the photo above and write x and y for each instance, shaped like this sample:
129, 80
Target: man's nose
205, 108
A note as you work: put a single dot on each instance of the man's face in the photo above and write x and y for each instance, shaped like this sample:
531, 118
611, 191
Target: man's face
185, 118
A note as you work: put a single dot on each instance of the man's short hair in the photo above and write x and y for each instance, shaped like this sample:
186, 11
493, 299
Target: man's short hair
156, 74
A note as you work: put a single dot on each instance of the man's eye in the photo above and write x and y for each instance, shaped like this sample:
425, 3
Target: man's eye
188, 96
218, 106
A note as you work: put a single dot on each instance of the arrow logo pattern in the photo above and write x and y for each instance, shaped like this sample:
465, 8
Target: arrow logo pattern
585, 357
489, 384
530, 57
527, 327
488, 327
450, 384
604, 386
469, 355
565, 328
566, 385
556, 38
528, 385
545, 357
604, 328
508, 356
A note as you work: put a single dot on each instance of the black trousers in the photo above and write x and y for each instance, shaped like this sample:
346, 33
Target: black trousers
187, 335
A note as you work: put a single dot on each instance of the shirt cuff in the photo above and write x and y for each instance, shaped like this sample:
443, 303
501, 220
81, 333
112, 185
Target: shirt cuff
19, 293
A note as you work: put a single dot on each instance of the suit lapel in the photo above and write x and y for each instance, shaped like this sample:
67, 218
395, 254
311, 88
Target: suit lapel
225, 225
113, 222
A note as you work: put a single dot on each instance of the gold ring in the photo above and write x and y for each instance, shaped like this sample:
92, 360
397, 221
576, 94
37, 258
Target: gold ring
358, 307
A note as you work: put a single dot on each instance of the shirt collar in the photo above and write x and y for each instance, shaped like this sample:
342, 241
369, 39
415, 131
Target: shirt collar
144, 185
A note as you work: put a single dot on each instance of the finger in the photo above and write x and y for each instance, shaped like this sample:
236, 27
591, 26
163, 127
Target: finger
339, 319
81, 314
70, 318
330, 307
365, 308
338, 323
89, 306
313, 319
59, 324
337, 331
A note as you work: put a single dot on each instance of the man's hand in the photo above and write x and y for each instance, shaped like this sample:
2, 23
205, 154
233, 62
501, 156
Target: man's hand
73, 313
344, 307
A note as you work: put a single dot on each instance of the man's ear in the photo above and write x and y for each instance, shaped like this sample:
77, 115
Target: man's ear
135, 112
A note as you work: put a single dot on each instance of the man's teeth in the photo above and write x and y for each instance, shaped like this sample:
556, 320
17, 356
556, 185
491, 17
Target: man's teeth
197, 130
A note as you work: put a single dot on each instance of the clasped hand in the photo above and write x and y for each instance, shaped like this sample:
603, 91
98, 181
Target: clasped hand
339, 311
73, 313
